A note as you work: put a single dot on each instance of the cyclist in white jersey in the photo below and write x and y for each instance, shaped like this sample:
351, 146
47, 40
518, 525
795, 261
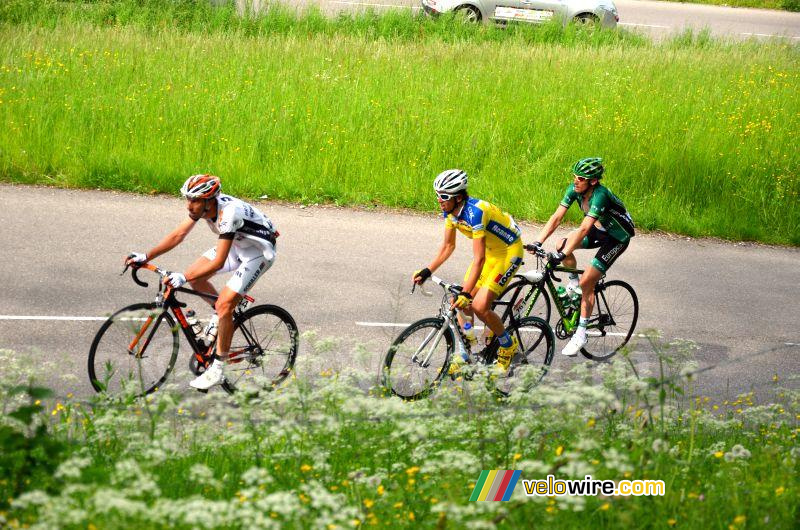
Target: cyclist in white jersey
246, 247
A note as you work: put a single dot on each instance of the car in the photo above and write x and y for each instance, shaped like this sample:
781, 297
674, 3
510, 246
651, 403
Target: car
598, 12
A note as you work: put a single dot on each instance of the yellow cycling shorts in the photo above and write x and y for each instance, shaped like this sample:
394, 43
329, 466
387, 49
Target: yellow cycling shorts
499, 268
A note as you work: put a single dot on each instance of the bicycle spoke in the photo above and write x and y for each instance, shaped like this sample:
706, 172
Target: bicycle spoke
532, 361
613, 320
155, 340
264, 345
408, 376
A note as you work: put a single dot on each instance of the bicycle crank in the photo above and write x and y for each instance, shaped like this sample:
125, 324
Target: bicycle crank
561, 331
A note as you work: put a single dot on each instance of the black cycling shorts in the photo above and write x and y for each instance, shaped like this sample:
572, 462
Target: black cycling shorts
610, 248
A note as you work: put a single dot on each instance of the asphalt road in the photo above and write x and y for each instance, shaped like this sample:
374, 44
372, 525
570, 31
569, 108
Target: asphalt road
657, 19
344, 275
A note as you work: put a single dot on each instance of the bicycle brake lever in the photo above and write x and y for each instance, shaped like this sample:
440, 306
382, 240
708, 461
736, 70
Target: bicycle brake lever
127, 266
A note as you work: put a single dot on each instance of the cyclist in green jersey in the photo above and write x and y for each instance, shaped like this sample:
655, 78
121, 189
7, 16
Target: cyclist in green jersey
606, 225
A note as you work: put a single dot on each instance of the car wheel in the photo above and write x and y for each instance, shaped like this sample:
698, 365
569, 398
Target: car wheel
468, 14
587, 20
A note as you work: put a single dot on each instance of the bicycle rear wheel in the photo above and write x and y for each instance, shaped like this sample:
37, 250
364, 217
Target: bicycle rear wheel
136, 347
263, 348
418, 358
616, 309
534, 307
532, 361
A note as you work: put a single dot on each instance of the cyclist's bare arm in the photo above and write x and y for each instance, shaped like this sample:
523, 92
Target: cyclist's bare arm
204, 270
575, 237
552, 223
446, 250
171, 240
478, 259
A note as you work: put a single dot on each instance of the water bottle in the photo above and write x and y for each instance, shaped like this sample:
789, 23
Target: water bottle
211, 330
562, 295
469, 332
575, 298
193, 322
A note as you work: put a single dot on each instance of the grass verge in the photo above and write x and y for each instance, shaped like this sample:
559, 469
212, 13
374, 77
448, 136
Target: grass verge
697, 134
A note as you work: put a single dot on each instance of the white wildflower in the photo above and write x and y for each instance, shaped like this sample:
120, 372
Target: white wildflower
660, 446
72, 467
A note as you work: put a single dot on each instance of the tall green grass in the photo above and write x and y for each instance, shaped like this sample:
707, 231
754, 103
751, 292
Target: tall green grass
699, 136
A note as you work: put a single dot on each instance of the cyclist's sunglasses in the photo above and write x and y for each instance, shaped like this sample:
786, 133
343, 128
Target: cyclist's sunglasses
446, 196
582, 179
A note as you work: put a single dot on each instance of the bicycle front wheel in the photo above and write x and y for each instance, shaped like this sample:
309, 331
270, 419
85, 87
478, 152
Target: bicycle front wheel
263, 348
616, 309
418, 358
525, 304
533, 358
135, 348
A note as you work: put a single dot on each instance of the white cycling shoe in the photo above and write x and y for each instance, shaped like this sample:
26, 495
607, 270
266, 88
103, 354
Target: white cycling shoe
214, 375
574, 345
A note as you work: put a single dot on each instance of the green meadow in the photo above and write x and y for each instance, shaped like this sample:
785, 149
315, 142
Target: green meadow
699, 136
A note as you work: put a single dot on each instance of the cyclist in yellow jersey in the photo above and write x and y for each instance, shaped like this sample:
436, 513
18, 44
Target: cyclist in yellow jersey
497, 254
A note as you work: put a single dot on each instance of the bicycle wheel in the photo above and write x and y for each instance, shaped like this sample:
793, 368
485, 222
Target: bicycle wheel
534, 307
418, 358
263, 349
613, 320
532, 361
136, 346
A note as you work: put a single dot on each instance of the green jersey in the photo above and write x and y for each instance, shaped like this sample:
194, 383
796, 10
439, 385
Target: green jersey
606, 208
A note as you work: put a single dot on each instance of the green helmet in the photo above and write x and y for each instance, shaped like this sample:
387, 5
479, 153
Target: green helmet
590, 168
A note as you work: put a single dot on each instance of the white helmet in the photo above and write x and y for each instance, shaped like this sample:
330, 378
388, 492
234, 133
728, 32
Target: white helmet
450, 182
201, 187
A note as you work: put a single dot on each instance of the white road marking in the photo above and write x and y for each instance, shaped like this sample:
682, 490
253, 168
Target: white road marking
644, 25
372, 4
383, 324
769, 35
36, 317
405, 325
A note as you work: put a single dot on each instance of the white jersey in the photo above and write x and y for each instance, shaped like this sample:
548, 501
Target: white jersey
249, 226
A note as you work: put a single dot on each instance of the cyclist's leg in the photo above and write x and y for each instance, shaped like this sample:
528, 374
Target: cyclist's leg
203, 283
254, 262
610, 249
498, 270
589, 241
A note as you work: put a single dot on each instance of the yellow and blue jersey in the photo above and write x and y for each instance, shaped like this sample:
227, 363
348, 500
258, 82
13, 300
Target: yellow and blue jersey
480, 219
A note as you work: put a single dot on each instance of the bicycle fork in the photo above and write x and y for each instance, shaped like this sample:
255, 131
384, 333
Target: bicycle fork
435, 335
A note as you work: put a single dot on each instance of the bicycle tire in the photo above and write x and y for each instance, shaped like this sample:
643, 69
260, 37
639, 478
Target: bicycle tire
264, 352
531, 363
109, 354
541, 306
399, 370
615, 302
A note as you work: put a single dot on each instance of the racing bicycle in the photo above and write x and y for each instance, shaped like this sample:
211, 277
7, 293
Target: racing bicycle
139, 344
420, 356
613, 319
